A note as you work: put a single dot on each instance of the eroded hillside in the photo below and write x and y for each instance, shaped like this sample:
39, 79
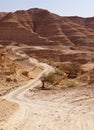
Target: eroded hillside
40, 27
48, 60
15, 69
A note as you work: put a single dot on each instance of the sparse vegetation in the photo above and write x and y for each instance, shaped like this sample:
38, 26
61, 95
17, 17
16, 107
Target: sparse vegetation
71, 69
50, 78
64, 73
71, 84
59, 72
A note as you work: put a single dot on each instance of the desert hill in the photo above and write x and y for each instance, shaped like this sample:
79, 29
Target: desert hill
48, 60
40, 27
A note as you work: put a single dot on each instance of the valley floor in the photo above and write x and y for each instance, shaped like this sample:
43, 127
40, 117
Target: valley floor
66, 109
69, 109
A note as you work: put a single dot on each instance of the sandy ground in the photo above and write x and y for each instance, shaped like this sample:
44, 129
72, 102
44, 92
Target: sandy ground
69, 109
17, 96
6, 109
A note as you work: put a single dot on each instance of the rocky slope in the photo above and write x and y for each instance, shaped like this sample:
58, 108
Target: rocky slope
16, 69
40, 27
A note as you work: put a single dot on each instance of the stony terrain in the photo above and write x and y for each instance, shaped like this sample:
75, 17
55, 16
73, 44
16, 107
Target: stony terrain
64, 38
16, 69
27, 35
41, 27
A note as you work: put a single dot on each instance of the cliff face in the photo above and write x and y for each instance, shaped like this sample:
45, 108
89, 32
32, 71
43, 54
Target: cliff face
40, 27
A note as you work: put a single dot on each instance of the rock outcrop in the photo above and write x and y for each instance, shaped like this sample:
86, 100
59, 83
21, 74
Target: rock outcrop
40, 27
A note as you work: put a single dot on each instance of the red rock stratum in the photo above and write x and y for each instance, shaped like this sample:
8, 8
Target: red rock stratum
40, 27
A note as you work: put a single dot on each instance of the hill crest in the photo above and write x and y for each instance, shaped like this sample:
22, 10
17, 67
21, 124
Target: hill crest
40, 27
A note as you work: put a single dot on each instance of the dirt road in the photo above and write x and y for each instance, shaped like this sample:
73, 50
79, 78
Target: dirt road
18, 97
71, 109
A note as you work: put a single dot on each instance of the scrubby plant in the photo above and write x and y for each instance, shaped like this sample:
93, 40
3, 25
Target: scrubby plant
71, 69
50, 78
71, 84
59, 72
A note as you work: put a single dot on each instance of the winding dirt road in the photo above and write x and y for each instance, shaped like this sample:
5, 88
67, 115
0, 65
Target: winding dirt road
57, 111
18, 96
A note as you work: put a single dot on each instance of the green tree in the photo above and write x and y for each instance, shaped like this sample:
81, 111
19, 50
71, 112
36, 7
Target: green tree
50, 78
71, 69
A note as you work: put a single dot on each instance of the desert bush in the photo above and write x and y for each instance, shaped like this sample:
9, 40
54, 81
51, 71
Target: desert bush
49, 78
59, 72
71, 84
71, 69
